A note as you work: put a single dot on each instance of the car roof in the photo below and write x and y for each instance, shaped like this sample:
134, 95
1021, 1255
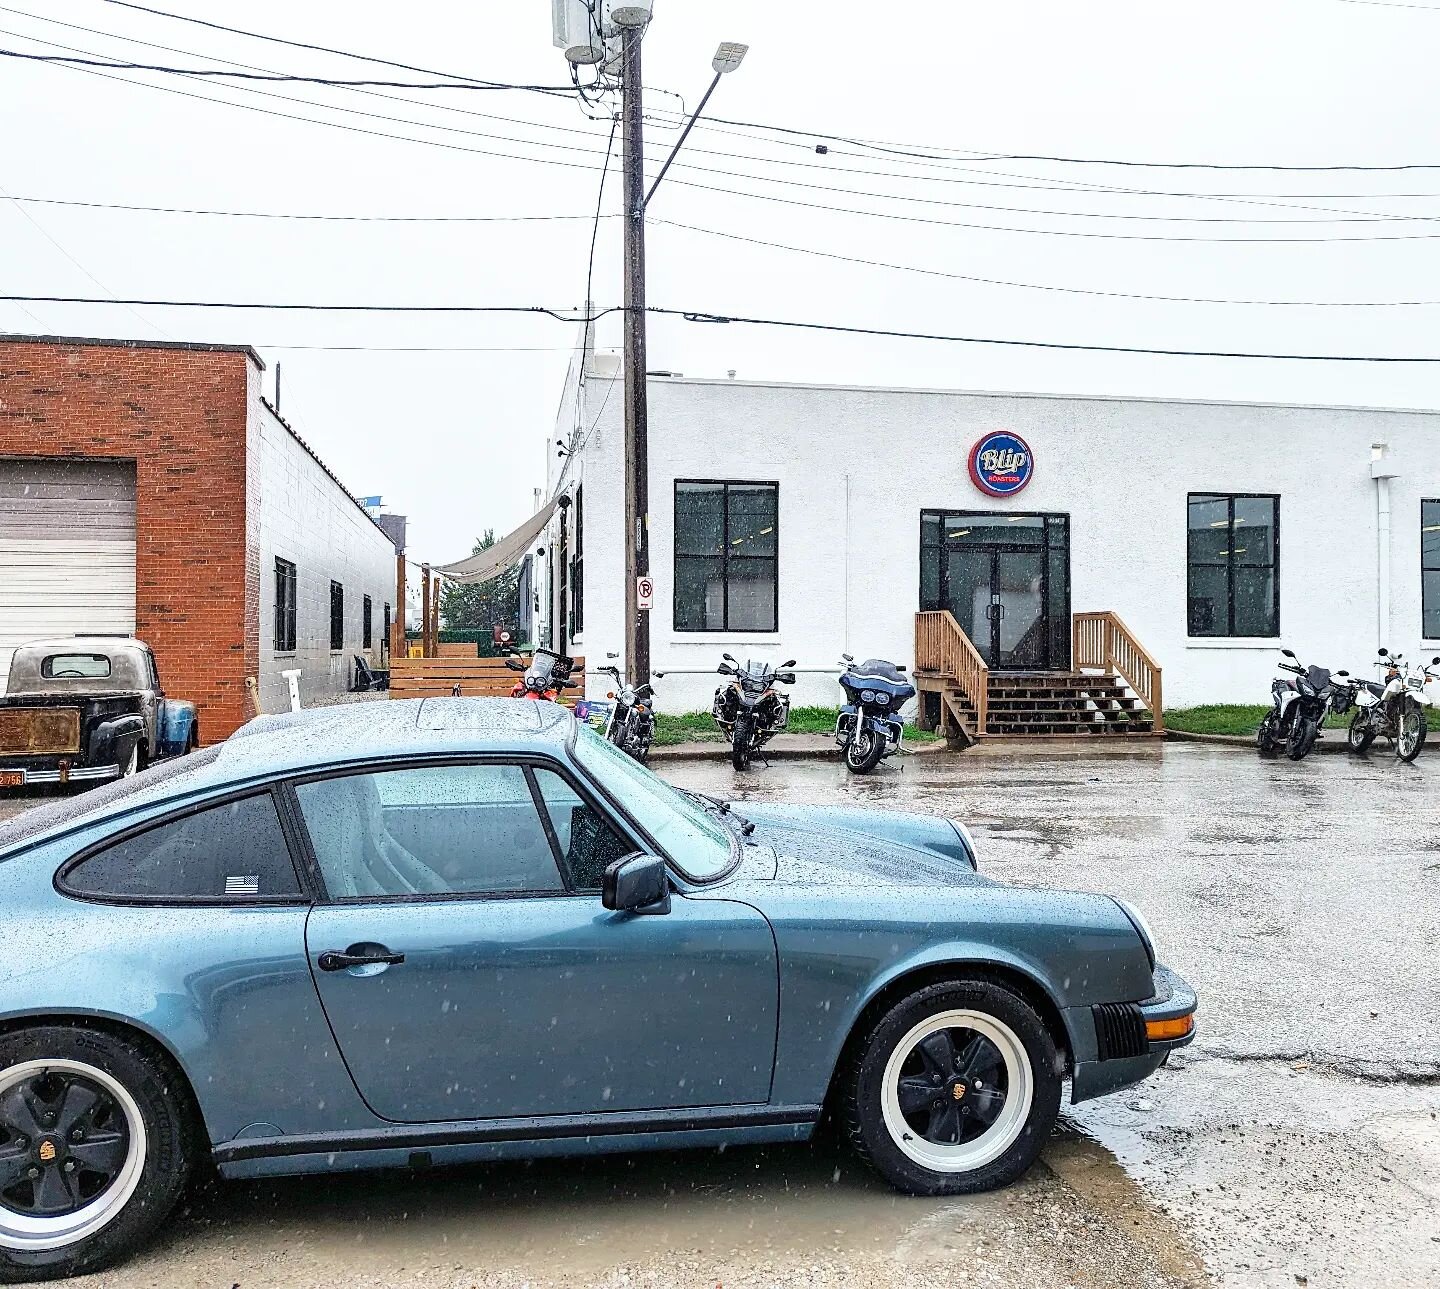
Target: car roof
84, 644
311, 739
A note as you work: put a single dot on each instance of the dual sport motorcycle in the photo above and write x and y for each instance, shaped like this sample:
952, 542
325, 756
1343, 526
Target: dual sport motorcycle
546, 677
869, 727
1393, 707
750, 709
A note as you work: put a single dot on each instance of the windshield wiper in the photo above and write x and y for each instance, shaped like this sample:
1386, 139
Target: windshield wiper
724, 809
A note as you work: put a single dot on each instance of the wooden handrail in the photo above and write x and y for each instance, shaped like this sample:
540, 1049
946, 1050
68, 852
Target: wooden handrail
943, 648
1101, 640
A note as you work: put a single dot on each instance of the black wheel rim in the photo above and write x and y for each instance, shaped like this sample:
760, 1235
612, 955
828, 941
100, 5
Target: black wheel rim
953, 1086
63, 1141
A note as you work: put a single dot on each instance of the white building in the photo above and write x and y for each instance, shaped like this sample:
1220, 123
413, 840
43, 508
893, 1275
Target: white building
805, 521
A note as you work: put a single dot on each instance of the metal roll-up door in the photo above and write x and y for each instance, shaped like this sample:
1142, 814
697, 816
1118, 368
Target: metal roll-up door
67, 549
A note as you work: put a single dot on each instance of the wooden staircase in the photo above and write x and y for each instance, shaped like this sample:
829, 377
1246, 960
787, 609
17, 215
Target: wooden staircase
1115, 688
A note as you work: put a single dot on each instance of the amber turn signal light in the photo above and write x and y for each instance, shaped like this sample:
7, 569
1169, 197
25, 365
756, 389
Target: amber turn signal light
611, 694
1179, 1027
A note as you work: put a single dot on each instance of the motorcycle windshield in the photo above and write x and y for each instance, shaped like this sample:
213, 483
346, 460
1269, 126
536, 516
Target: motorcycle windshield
1318, 677
540, 671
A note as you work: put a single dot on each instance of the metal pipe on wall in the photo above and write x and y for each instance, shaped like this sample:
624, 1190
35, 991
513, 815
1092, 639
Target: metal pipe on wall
1382, 472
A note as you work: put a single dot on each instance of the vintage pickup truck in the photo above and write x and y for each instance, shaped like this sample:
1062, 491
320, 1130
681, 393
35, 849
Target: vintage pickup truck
85, 709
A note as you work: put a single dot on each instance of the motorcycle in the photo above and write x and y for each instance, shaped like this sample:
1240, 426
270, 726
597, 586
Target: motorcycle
545, 678
1297, 709
869, 725
750, 709
1393, 707
631, 724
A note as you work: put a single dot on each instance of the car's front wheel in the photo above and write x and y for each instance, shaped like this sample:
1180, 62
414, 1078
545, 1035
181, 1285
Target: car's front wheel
954, 1090
94, 1151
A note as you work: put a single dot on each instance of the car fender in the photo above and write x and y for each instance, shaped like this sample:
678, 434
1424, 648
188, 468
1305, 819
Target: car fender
177, 719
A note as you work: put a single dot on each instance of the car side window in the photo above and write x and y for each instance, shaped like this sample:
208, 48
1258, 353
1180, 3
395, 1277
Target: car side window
588, 843
429, 830
230, 853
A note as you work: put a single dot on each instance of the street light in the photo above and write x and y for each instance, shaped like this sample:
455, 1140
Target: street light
727, 58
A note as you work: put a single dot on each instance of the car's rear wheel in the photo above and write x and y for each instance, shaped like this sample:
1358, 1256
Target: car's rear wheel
954, 1090
94, 1151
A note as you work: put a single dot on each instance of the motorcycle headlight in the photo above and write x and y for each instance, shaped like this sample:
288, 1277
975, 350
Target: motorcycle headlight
1142, 927
867, 696
881, 700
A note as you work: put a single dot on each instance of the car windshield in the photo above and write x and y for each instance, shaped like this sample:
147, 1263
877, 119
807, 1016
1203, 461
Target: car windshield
701, 846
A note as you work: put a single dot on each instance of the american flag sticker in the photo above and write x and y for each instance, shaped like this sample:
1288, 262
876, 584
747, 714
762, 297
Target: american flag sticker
242, 885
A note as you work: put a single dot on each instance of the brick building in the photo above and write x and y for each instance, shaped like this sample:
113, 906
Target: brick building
147, 487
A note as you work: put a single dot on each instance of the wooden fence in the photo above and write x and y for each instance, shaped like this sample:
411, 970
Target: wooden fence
463, 677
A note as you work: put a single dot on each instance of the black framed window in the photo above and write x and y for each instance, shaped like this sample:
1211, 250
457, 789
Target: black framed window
727, 556
562, 558
1430, 567
230, 853
337, 617
385, 639
577, 568
1234, 564
367, 630
284, 606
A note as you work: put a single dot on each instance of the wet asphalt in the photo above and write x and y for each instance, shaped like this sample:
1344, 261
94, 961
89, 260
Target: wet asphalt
1295, 1143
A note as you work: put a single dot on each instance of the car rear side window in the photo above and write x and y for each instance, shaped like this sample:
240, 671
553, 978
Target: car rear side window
230, 853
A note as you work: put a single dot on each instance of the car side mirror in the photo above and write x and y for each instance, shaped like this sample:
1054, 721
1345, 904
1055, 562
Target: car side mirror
1290, 653
636, 884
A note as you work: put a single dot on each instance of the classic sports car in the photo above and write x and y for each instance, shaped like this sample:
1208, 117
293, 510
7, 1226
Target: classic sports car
449, 930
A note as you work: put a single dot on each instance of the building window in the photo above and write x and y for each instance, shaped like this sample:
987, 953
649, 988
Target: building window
367, 633
385, 641
337, 617
562, 608
1430, 568
577, 568
1234, 565
727, 556
284, 606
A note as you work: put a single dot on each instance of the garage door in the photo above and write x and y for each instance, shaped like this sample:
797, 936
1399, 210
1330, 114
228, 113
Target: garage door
67, 549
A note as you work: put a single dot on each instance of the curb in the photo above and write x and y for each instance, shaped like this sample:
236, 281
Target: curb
1246, 741
720, 751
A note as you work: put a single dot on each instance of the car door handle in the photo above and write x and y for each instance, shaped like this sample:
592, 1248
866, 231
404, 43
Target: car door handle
333, 960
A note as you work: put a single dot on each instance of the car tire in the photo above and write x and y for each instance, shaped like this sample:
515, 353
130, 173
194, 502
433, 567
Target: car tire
901, 1104
97, 1188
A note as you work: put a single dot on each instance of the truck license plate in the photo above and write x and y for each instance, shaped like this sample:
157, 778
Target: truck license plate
12, 778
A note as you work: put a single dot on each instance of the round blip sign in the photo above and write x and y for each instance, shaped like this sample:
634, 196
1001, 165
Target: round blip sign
1001, 464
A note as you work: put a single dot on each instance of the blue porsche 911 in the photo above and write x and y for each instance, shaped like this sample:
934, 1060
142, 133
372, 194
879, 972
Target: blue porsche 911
449, 930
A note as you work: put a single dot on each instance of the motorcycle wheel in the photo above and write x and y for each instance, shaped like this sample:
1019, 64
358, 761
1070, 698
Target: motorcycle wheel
1302, 738
1267, 737
1413, 728
740, 743
1360, 735
863, 751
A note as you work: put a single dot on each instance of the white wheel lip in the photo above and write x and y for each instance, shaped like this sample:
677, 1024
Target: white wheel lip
23, 1234
1008, 1125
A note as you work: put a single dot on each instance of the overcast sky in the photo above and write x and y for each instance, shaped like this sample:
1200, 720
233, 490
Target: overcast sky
455, 439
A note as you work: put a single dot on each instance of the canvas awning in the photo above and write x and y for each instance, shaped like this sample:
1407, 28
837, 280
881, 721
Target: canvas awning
502, 556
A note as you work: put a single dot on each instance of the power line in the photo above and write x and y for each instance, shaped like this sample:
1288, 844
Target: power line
1394, 4
695, 315
340, 53
690, 316
323, 218
1347, 216
1042, 286
599, 202
222, 73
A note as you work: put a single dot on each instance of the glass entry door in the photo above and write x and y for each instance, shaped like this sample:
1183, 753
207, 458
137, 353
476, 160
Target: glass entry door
1006, 578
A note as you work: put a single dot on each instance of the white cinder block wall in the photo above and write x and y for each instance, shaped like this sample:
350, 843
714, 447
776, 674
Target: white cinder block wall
857, 466
306, 517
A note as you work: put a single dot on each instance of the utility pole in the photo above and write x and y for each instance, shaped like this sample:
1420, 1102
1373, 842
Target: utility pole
587, 31
637, 429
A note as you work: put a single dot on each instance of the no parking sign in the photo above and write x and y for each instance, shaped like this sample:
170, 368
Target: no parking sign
644, 593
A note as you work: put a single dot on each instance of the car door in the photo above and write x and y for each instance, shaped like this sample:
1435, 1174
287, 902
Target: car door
469, 970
